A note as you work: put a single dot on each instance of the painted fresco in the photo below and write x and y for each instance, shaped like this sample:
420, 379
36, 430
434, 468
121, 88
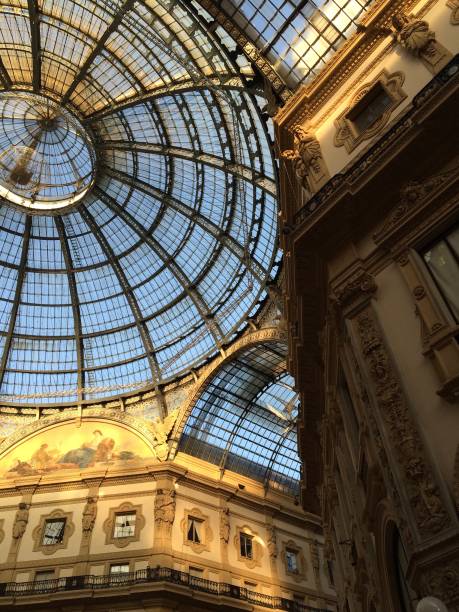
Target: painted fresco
92, 445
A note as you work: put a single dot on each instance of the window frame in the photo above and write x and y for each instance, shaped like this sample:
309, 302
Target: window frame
61, 533
38, 532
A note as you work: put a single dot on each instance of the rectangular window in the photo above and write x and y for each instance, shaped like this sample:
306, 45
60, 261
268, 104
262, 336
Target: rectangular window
291, 558
194, 532
119, 572
442, 260
124, 525
39, 580
120, 568
370, 108
53, 531
246, 543
196, 572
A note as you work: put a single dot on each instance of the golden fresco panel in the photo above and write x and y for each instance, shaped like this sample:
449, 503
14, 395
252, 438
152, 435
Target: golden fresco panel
93, 444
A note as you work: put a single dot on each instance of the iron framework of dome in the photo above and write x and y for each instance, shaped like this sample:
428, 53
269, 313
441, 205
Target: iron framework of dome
244, 420
146, 232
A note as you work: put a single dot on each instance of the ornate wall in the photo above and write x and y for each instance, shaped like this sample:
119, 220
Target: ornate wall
373, 344
94, 471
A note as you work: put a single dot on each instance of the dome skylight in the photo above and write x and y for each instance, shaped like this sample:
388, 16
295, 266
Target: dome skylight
47, 160
127, 127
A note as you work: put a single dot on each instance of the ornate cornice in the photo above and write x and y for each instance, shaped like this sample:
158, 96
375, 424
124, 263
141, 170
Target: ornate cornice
361, 286
377, 151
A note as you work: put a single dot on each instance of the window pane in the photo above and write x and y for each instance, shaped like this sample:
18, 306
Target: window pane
194, 530
246, 546
443, 262
122, 568
292, 561
124, 525
53, 532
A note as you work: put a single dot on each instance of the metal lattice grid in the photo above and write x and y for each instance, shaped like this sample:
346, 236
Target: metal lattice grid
297, 37
170, 250
245, 419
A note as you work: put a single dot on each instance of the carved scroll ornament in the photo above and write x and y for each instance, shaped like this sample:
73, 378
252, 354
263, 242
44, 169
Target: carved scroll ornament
424, 497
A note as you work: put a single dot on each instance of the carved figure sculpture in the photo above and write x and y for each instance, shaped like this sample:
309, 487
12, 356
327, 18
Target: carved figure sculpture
306, 155
20, 521
413, 34
89, 515
161, 431
224, 525
165, 510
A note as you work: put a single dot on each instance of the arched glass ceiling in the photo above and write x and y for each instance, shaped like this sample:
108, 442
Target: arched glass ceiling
245, 419
168, 253
296, 36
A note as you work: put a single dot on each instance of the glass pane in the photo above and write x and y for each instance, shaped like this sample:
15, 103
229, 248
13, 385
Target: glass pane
443, 262
53, 532
124, 525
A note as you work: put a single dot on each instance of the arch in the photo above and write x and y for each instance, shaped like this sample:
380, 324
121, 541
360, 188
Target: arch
243, 418
68, 441
269, 334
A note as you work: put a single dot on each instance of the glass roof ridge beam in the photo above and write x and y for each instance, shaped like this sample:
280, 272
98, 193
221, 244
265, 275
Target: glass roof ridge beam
254, 55
34, 18
119, 16
230, 82
132, 300
240, 170
184, 281
17, 296
214, 230
75, 306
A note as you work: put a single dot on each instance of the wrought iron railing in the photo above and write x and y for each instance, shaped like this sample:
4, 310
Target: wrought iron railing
151, 575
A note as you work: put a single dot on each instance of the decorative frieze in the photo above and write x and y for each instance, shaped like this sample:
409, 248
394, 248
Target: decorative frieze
425, 501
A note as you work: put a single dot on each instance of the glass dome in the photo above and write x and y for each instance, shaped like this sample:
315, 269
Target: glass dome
245, 419
146, 230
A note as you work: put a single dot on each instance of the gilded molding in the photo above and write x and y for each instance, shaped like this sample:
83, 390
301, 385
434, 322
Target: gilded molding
346, 134
37, 533
421, 489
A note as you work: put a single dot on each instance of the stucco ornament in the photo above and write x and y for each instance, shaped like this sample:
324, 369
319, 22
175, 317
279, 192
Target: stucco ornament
161, 431
413, 34
272, 542
224, 525
305, 155
89, 515
20, 521
165, 510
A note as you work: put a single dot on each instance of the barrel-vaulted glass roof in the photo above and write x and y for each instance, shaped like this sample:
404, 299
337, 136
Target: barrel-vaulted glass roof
171, 247
296, 36
245, 419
